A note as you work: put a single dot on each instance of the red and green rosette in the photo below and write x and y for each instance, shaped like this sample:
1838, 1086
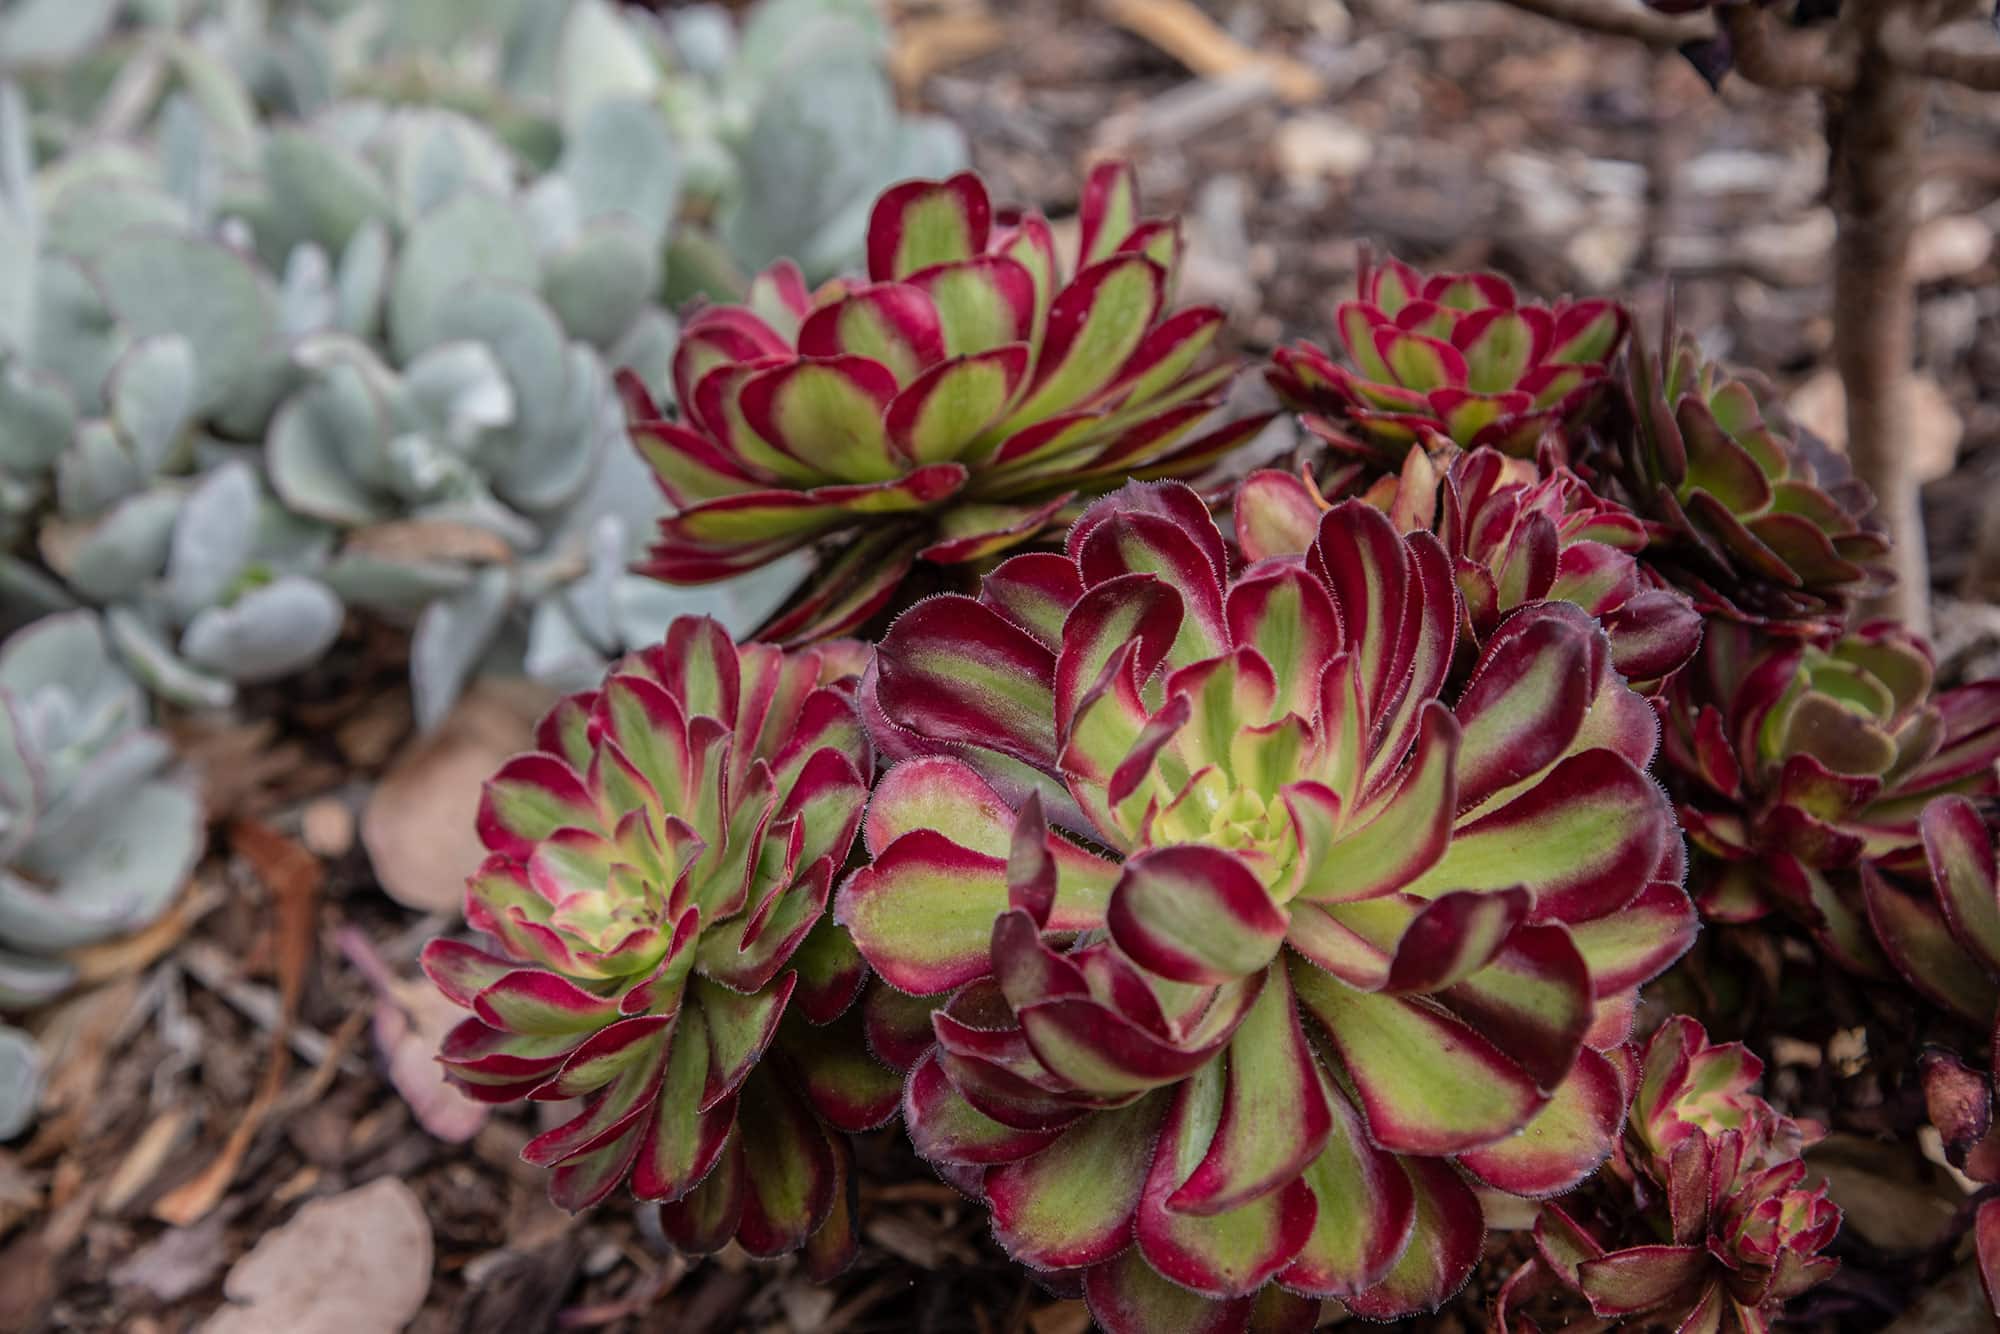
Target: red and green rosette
1705, 1219
655, 893
1232, 937
949, 407
1515, 534
1458, 354
1803, 769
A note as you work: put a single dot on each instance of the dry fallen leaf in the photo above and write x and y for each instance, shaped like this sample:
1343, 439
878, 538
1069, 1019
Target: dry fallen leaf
418, 827
354, 1263
413, 541
411, 1019
181, 1260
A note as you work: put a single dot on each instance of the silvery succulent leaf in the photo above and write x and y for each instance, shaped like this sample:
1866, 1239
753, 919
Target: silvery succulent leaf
320, 191
324, 449
97, 159
551, 212
559, 653
223, 100
93, 795
704, 37
782, 34
37, 417
122, 551
51, 33
361, 280
462, 390
270, 631
20, 1059
531, 47
592, 599
96, 471
451, 636
20, 238
160, 283
647, 350
621, 162
813, 150
394, 587
147, 656
600, 56
426, 470
88, 217
432, 156
539, 462
152, 394
604, 281
307, 302
115, 878
68, 698
27, 594
77, 338
478, 507
212, 539
472, 236
189, 170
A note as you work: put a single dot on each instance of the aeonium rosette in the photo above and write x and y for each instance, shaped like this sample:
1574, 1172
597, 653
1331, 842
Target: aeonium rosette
1515, 532
659, 873
1248, 940
1459, 354
1703, 1221
947, 408
1801, 764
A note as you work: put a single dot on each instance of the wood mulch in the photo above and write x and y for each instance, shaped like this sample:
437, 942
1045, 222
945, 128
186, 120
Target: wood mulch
1292, 133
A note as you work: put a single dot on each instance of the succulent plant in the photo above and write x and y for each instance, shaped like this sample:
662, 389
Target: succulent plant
1704, 1220
1941, 928
96, 835
657, 882
273, 371
1241, 940
1456, 353
945, 410
1755, 519
1959, 1100
792, 130
1514, 534
1797, 764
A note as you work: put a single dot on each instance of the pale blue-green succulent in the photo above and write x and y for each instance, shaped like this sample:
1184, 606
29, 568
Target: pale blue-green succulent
98, 830
326, 321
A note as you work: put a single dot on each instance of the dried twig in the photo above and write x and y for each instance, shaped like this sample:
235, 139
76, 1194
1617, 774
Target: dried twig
1181, 30
293, 875
1613, 18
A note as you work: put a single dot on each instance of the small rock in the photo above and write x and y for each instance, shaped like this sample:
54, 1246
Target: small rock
1602, 254
1318, 145
327, 827
1949, 247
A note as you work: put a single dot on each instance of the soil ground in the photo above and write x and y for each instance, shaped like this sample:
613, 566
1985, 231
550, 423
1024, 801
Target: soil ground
1451, 134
